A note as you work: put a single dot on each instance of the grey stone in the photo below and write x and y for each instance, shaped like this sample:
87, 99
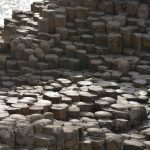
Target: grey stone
124, 67
32, 61
39, 53
24, 134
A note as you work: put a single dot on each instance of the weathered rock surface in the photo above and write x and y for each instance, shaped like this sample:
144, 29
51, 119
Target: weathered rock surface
77, 77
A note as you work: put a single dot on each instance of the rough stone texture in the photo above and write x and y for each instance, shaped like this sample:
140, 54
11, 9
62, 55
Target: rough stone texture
77, 76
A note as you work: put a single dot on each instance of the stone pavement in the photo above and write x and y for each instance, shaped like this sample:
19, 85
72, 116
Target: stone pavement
72, 111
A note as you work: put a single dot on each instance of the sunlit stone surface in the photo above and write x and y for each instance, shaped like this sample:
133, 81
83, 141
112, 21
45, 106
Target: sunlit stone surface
6, 7
75, 75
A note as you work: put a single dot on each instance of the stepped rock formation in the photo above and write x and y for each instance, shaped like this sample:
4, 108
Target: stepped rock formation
75, 75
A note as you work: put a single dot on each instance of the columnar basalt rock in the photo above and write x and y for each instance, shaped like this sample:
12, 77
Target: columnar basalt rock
77, 76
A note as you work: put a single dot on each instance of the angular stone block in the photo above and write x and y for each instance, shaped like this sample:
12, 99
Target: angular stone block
70, 51
81, 12
97, 27
60, 21
114, 142
43, 25
60, 111
115, 43
52, 60
132, 8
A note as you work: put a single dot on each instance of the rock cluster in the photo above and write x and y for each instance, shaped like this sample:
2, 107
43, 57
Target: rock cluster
77, 76
74, 114
77, 35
